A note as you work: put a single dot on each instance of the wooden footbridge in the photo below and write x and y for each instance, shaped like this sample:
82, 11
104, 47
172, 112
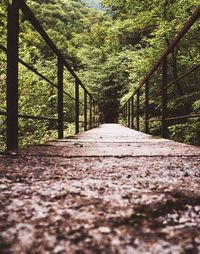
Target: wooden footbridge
110, 189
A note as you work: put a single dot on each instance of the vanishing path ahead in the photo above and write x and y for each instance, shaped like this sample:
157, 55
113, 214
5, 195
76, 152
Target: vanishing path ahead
108, 190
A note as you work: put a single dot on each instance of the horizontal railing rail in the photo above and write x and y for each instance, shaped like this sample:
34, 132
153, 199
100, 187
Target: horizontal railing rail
132, 107
12, 109
29, 67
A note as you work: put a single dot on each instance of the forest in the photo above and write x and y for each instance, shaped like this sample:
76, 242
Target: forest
111, 50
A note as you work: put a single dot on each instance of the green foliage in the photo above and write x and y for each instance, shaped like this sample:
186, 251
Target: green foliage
186, 132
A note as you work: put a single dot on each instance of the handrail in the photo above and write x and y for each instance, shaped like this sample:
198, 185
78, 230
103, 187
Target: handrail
34, 70
30, 67
12, 51
35, 23
172, 45
176, 80
129, 107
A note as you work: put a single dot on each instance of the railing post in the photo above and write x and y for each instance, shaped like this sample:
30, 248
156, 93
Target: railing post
147, 106
132, 112
164, 98
138, 110
85, 110
12, 75
128, 105
122, 111
94, 114
95, 110
126, 113
99, 116
77, 106
60, 99
90, 112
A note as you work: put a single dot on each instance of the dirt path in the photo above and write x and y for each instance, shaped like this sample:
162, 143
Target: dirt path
108, 190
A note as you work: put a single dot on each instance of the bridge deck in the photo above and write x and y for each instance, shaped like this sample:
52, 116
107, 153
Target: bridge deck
108, 190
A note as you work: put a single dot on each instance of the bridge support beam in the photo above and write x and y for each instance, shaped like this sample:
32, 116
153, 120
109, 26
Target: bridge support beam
12, 75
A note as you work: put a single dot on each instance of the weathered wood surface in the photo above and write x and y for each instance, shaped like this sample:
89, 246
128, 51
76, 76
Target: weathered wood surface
108, 190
